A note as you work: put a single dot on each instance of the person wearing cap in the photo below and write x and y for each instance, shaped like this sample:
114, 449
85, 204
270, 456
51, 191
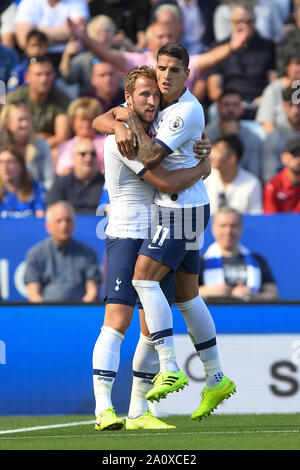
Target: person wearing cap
282, 193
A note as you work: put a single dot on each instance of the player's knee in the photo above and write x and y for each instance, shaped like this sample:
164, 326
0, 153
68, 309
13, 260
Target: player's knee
118, 317
141, 272
147, 269
121, 325
186, 289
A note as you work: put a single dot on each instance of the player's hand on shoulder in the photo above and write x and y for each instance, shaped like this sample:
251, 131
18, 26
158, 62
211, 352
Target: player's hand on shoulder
202, 148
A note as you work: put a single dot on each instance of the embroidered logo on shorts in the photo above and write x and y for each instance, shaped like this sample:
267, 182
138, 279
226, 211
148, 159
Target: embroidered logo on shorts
118, 282
176, 124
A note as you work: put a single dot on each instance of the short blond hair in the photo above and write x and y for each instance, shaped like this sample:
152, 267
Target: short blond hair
135, 73
89, 107
100, 20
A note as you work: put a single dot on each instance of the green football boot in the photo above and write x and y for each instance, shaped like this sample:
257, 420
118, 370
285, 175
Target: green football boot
108, 421
147, 421
165, 383
213, 396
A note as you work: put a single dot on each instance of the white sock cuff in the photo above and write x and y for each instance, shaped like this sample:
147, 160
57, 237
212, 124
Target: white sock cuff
142, 283
146, 340
112, 331
189, 303
212, 367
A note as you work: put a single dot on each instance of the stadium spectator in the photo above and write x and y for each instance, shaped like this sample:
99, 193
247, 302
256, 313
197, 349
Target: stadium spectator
274, 143
282, 193
49, 17
130, 16
36, 45
20, 196
171, 16
47, 103
8, 60
204, 10
83, 186
185, 18
270, 112
157, 36
228, 184
248, 70
194, 24
290, 37
230, 110
81, 113
106, 85
16, 130
76, 64
228, 268
60, 268
8, 10
268, 21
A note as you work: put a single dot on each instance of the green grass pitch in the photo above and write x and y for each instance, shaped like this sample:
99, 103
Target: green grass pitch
218, 432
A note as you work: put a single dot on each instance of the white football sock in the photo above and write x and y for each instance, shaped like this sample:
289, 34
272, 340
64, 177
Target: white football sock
202, 331
145, 366
106, 361
159, 319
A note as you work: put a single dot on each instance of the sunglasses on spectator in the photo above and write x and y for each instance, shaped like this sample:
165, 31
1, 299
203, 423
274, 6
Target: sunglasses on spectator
83, 153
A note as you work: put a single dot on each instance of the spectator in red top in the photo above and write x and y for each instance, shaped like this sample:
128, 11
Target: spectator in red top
282, 192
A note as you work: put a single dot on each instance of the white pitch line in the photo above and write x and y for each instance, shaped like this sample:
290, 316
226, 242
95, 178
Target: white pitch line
138, 434
49, 426
129, 434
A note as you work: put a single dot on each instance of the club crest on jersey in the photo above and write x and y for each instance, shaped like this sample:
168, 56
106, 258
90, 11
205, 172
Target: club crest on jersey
118, 282
176, 124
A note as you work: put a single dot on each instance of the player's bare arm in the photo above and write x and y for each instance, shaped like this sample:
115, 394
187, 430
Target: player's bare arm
149, 153
112, 122
177, 180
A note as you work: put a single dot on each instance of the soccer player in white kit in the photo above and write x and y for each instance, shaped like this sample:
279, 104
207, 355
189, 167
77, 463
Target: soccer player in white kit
179, 123
130, 208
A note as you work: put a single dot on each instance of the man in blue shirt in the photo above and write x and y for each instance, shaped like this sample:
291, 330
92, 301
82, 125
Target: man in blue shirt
60, 268
36, 46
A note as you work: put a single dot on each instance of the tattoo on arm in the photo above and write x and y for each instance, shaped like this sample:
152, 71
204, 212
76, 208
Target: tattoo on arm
149, 153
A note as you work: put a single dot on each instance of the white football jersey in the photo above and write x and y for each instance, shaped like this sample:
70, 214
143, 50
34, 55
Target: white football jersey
131, 199
177, 127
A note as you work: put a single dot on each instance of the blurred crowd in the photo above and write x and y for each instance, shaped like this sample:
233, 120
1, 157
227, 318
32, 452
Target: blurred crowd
63, 62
